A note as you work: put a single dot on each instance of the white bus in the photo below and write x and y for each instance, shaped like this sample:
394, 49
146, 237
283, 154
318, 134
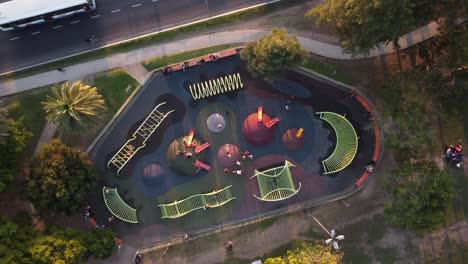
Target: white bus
16, 14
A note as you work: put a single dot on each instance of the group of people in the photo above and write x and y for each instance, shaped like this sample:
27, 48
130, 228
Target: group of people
239, 171
184, 65
87, 212
454, 155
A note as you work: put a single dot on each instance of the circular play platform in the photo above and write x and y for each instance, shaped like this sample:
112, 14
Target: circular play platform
256, 132
181, 158
228, 154
152, 173
291, 142
216, 123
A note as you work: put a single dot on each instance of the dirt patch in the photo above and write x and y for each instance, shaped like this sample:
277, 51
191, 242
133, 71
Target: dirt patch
433, 244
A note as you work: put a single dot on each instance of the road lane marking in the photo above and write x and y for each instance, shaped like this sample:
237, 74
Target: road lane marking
96, 16
34, 33
15, 38
57, 27
154, 1
115, 11
74, 22
137, 5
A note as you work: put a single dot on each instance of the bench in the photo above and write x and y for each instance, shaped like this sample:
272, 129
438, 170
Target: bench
207, 58
92, 222
346, 143
362, 179
272, 122
202, 147
201, 165
195, 202
117, 206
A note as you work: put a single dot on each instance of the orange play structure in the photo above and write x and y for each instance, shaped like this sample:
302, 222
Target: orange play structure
260, 113
300, 132
188, 139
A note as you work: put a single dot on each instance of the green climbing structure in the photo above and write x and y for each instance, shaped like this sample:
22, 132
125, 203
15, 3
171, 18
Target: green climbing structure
117, 206
195, 202
346, 143
138, 140
276, 184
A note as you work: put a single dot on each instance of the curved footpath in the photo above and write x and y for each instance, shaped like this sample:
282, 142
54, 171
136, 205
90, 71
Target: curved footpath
79, 71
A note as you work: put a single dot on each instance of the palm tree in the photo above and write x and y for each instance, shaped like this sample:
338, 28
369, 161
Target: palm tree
75, 107
3, 127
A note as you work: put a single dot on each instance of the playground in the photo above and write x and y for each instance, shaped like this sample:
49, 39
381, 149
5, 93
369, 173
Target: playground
210, 145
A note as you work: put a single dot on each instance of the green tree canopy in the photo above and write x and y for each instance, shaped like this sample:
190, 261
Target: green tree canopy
311, 253
406, 124
100, 243
14, 143
419, 195
52, 250
364, 24
3, 127
59, 179
20, 243
15, 240
273, 53
75, 107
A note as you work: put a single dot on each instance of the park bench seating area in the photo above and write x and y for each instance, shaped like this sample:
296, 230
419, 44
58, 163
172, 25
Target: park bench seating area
276, 184
195, 202
206, 58
346, 143
117, 206
138, 140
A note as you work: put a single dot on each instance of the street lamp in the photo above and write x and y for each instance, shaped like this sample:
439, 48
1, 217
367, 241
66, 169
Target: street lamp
334, 238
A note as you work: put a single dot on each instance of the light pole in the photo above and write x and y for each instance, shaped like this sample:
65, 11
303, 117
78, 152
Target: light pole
333, 237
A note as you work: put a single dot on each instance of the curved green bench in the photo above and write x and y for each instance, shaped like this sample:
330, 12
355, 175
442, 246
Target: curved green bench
346, 143
276, 184
117, 206
195, 202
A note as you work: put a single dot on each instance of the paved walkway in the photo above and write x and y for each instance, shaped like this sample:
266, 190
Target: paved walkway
46, 136
137, 71
79, 71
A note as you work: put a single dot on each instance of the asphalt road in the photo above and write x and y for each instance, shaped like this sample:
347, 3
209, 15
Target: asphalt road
112, 21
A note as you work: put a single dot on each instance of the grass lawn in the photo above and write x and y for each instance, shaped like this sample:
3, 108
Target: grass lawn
28, 105
452, 130
453, 253
115, 86
179, 57
326, 70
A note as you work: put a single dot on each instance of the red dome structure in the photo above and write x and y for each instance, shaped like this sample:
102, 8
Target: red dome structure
291, 142
255, 132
